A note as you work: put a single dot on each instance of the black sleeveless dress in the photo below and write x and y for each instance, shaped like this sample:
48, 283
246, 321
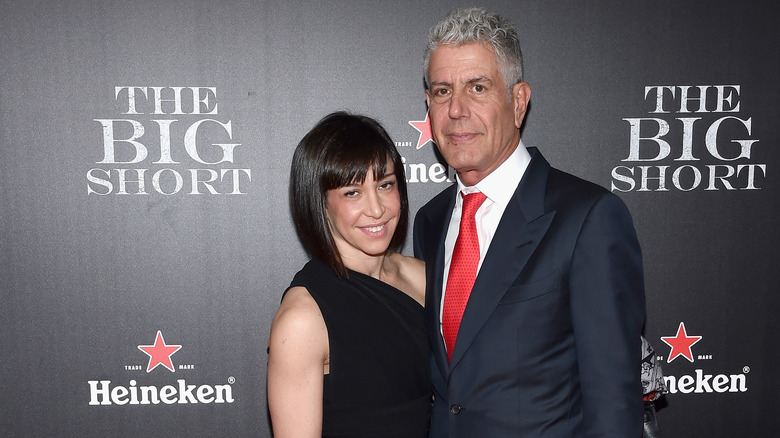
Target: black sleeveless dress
379, 383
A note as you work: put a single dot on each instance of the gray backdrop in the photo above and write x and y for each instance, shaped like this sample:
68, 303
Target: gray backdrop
144, 153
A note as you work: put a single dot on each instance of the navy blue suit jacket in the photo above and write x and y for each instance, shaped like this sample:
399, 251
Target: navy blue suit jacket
549, 344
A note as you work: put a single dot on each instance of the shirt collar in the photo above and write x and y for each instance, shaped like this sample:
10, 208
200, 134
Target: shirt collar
500, 185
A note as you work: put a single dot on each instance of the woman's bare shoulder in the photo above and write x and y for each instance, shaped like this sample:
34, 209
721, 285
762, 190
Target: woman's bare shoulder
298, 318
411, 275
411, 266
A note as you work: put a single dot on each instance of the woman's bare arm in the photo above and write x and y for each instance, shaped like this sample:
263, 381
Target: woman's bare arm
297, 360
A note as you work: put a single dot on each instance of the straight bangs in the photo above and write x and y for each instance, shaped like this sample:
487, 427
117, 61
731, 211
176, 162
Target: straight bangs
341, 174
357, 148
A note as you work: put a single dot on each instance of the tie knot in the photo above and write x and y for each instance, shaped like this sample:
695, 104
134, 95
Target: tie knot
471, 203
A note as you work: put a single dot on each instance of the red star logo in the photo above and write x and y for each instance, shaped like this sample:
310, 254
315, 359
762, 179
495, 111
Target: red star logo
424, 126
159, 353
681, 344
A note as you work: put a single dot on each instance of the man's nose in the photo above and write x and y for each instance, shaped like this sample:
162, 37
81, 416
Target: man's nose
458, 106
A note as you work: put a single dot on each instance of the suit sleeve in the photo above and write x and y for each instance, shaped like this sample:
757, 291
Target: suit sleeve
608, 307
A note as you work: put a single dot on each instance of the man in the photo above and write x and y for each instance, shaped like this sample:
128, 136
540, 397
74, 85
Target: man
548, 344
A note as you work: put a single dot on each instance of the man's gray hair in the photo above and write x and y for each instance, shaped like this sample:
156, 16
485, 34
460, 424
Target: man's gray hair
476, 25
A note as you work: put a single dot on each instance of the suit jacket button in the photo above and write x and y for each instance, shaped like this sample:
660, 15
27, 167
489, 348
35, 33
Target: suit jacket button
455, 409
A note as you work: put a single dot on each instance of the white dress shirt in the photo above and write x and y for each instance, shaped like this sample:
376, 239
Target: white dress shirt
498, 186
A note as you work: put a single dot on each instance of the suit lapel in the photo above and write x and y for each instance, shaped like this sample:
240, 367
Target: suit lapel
435, 232
522, 226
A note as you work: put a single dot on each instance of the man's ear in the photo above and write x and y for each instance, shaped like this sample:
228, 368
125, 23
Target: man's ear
521, 95
428, 97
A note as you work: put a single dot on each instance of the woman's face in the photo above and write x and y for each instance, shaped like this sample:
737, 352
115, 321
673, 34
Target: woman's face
363, 216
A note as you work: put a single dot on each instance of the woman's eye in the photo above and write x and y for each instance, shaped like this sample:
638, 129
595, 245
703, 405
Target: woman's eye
387, 184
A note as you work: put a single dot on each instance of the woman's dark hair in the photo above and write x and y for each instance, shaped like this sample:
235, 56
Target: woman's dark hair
339, 150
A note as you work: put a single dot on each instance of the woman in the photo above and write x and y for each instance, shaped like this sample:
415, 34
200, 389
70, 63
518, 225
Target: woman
348, 353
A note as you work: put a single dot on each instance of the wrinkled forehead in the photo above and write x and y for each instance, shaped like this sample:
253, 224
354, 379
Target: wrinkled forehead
463, 62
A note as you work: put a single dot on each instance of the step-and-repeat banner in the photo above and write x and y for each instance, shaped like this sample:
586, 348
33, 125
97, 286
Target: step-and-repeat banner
145, 239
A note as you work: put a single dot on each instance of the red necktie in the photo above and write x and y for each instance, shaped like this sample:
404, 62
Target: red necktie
463, 271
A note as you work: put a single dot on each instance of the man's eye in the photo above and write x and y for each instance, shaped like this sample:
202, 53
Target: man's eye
441, 92
479, 88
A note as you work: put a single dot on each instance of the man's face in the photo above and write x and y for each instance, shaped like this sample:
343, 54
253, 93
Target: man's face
475, 124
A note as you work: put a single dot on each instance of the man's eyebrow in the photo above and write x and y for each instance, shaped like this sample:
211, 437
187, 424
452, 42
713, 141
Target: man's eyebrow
440, 84
478, 80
